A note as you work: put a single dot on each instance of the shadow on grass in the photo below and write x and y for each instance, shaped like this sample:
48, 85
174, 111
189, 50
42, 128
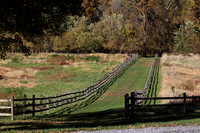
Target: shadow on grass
68, 110
65, 113
153, 87
64, 119
107, 118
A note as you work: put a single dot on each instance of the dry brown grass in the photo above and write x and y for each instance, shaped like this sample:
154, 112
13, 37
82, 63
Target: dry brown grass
180, 74
12, 77
25, 76
41, 57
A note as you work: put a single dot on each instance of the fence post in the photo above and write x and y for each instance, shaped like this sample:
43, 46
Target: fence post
24, 104
126, 105
184, 109
83, 96
65, 101
41, 102
47, 101
60, 100
12, 108
132, 102
70, 99
54, 104
77, 97
33, 104
74, 98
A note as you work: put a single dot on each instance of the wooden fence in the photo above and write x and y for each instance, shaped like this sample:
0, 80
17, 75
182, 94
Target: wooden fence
9, 102
143, 93
131, 102
139, 99
45, 103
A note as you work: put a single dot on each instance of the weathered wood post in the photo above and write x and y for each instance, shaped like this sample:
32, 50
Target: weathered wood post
65, 101
41, 102
24, 106
54, 104
70, 99
47, 103
60, 102
74, 98
184, 109
12, 108
33, 105
126, 105
77, 97
83, 96
132, 102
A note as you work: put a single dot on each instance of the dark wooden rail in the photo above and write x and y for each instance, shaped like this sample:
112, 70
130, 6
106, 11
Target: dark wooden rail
131, 102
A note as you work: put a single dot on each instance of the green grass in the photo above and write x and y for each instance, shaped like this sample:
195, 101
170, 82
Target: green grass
26, 65
63, 79
110, 104
104, 111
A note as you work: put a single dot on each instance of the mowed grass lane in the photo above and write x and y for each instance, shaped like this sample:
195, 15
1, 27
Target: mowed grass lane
134, 78
107, 111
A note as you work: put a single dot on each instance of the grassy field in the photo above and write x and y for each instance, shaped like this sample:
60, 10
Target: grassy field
110, 104
42, 74
105, 111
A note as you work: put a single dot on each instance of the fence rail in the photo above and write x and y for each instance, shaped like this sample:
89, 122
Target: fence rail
143, 93
131, 102
9, 101
45, 103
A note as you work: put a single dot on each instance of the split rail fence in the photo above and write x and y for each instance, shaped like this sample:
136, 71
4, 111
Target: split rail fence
139, 99
2, 107
131, 102
45, 103
143, 93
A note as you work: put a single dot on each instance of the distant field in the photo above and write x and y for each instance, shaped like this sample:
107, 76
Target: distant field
105, 110
180, 74
53, 73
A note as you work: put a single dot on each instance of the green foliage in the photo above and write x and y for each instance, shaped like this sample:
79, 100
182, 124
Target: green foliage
92, 58
187, 39
70, 57
54, 55
24, 82
15, 60
173, 89
124, 26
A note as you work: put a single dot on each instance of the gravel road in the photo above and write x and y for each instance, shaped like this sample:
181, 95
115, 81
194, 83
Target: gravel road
179, 129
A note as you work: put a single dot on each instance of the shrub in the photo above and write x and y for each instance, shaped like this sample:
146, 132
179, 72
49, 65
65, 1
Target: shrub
24, 82
70, 57
15, 60
54, 55
92, 58
187, 39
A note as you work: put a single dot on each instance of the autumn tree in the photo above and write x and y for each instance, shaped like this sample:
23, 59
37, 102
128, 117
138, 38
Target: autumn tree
33, 19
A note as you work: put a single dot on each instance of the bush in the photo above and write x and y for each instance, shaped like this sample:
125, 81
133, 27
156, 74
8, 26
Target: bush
187, 39
92, 58
54, 55
70, 57
15, 60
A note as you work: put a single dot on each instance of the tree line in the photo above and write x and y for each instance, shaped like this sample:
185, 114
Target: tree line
111, 26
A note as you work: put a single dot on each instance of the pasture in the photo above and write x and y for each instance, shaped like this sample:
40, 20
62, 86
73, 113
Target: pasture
104, 110
43, 74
